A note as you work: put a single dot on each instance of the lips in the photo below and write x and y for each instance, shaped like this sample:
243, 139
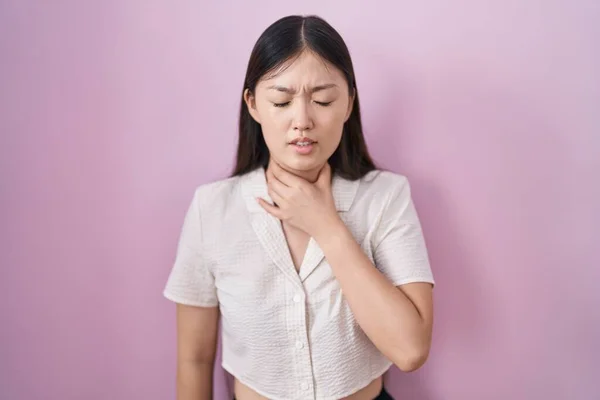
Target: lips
303, 145
302, 141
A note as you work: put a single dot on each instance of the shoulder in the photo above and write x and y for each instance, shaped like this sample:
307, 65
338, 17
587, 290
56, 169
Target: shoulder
380, 191
384, 183
217, 194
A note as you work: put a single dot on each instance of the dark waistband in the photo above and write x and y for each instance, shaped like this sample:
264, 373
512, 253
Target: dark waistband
384, 395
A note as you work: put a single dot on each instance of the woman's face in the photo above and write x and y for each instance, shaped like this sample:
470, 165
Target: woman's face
302, 111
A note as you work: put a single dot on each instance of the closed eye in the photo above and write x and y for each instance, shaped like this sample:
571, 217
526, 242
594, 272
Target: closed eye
321, 103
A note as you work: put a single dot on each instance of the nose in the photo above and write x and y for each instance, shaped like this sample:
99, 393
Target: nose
302, 119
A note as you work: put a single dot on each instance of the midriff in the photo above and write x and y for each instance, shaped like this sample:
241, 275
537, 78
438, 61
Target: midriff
369, 392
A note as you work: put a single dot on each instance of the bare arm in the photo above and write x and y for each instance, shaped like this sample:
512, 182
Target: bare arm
398, 320
196, 348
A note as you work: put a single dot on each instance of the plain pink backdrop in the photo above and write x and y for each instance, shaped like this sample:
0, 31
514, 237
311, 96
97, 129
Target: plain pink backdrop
112, 112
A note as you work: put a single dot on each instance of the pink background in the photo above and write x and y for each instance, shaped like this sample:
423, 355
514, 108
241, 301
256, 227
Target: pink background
112, 112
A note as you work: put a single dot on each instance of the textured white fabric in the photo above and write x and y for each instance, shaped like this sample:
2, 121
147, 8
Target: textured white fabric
287, 334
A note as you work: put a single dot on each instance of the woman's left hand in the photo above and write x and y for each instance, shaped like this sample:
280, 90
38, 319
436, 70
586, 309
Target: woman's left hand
307, 206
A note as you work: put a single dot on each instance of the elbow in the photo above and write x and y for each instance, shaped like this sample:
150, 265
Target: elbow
409, 361
412, 364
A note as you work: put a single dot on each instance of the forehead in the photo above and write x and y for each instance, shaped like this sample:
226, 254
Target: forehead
307, 69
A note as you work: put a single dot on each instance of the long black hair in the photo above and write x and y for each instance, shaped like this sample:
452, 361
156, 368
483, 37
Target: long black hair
280, 42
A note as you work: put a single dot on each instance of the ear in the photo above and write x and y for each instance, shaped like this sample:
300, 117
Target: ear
350, 104
251, 104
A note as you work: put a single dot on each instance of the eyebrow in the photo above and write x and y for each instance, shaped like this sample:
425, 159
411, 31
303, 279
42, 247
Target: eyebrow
312, 90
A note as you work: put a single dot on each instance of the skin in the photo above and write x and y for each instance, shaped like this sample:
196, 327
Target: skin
197, 329
310, 98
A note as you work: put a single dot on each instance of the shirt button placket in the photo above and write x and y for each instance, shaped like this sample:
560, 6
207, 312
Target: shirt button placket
305, 373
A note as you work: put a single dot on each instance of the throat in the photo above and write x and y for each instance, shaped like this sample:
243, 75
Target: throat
309, 175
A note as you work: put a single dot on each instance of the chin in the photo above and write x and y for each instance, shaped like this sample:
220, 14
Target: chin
306, 164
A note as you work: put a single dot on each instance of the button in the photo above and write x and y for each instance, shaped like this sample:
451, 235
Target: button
299, 345
304, 386
297, 298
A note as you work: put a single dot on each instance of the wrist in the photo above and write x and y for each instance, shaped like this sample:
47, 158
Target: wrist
330, 228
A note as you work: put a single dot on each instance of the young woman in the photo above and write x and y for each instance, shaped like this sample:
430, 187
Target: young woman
312, 259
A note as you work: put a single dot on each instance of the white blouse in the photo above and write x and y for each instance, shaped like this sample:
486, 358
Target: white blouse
288, 334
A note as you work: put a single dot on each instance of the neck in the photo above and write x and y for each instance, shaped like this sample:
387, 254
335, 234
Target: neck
309, 175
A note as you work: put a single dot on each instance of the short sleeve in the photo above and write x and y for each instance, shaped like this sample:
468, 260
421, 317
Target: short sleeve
400, 252
190, 282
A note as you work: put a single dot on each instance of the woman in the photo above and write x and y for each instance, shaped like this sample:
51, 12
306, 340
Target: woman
312, 259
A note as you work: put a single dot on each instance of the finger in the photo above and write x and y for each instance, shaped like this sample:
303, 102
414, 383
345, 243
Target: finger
277, 199
279, 187
286, 177
270, 175
271, 209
